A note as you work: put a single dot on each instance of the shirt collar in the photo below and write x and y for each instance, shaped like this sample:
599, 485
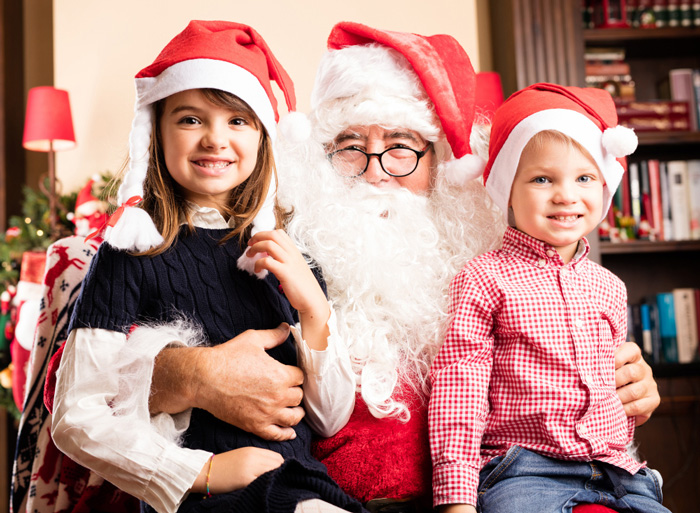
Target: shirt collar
208, 217
531, 249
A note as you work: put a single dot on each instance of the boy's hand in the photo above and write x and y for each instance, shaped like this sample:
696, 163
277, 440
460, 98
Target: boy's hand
298, 282
236, 469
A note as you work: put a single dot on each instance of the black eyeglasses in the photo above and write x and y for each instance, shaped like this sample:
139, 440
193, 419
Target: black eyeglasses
396, 162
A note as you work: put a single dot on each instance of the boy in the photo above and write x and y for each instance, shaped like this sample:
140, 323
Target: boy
523, 412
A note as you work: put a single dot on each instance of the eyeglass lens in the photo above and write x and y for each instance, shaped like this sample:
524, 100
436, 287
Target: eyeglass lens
395, 161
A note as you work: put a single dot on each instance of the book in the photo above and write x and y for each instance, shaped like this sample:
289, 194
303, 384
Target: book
656, 217
645, 229
666, 202
678, 196
635, 193
645, 318
694, 197
685, 13
697, 314
655, 331
686, 324
634, 323
683, 89
667, 327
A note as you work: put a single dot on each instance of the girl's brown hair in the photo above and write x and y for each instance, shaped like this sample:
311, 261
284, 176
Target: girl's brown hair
163, 198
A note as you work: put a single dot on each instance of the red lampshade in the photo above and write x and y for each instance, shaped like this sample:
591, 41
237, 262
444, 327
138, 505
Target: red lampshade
489, 93
48, 120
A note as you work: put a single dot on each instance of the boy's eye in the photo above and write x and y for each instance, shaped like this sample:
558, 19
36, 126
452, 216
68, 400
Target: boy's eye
540, 180
585, 179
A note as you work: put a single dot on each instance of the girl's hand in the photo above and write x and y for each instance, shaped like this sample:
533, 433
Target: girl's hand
236, 469
298, 283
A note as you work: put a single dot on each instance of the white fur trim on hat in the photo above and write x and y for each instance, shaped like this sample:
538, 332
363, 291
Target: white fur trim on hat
295, 127
134, 231
370, 85
620, 141
460, 171
571, 123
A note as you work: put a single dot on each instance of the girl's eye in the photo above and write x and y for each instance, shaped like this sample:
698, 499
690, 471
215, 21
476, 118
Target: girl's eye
189, 120
239, 122
540, 180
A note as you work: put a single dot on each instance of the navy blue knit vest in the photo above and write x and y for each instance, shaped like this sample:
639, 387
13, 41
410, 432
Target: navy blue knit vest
198, 278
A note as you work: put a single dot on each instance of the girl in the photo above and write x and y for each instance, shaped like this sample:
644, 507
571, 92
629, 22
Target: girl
201, 164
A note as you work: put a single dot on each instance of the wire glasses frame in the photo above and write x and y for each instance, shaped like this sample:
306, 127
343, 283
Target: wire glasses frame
396, 162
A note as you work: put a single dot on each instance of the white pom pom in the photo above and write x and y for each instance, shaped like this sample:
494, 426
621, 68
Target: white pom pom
620, 141
134, 231
462, 170
295, 127
247, 264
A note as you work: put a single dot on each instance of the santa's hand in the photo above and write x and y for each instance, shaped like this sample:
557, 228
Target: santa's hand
635, 383
237, 382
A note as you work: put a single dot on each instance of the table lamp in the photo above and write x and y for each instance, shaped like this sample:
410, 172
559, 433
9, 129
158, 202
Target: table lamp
48, 127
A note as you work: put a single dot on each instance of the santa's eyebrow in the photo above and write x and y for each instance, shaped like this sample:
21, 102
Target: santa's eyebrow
346, 136
398, 134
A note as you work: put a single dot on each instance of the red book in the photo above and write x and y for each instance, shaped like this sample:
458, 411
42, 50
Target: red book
656, 217
626, 197
697, 313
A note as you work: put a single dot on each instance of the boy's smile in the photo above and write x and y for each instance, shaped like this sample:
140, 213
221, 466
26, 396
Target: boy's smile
557, 195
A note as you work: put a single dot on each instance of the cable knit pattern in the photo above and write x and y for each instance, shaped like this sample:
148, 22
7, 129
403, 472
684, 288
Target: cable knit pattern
197, 278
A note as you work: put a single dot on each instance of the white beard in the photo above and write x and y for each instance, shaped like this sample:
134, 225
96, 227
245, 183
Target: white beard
388, 257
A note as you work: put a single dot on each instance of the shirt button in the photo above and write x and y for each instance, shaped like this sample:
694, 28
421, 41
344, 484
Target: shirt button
578, 323
541, 262
582, 430
588, 379
550, 252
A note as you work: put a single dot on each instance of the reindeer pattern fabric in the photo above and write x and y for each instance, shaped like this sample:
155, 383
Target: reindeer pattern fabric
43, 479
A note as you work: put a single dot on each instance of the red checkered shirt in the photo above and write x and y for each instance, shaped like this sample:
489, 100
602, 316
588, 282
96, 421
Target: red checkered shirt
528, 360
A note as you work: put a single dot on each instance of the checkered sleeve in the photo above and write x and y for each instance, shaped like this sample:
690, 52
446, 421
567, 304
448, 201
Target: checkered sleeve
460, 378
619, 323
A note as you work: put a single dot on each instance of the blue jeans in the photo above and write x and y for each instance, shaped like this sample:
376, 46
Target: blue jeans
524, 481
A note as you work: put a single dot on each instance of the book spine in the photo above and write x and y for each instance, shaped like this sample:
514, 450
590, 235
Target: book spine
645, 317
635, 193
678, 194
686, 323
655, 197
666, 202
694, 197
682, 89
667, 327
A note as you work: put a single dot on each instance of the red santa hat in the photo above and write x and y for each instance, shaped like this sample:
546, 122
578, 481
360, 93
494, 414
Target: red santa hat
424, 83
587, 115
228, 56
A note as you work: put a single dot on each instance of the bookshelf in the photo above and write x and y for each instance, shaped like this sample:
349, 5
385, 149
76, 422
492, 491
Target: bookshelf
544, 41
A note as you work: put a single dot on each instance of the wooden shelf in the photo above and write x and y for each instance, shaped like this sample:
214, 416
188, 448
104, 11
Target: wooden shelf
664, 138
636, 34
676, 370
641, 246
